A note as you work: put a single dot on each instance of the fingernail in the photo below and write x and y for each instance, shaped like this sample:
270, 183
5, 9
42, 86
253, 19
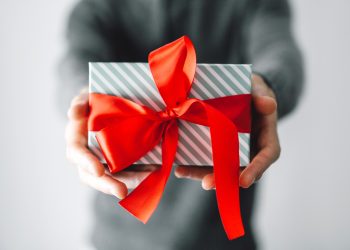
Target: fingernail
177, 173
92, 171
181, 172
248, 182
116, 194
254, 180
206, 186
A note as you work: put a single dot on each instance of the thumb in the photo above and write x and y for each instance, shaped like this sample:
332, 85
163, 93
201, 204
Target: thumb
264, 105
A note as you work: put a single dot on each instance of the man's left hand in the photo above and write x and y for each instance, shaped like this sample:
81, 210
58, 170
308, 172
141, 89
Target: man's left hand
265, 146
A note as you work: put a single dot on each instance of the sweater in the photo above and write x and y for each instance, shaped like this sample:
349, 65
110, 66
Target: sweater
256, 32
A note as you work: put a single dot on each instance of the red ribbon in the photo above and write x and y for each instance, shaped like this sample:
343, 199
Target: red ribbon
126, 131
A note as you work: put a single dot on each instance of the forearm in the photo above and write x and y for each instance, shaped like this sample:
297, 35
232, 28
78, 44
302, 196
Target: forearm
274, 53
86, 41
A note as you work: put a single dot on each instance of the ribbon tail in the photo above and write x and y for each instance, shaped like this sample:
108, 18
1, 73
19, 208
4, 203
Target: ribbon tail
225, 148
144, 199
225, 153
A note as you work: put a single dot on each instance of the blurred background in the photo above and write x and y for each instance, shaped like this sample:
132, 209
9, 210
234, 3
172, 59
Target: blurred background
303, 199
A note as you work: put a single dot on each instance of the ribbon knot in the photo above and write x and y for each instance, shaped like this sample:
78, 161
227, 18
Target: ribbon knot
127, 131
168, 114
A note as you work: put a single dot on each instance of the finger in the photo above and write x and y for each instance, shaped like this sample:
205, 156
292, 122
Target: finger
84, 92
80, 155
130, 178
143, 167
264, 105
105, 184
76, 132
259, 165
79, 107
77, 151
193, 172
208, 182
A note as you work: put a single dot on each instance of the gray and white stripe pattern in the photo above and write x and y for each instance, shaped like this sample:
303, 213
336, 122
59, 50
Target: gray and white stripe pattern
134, 82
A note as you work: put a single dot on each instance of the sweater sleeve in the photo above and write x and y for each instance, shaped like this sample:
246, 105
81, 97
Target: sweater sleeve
86, 40
274, 53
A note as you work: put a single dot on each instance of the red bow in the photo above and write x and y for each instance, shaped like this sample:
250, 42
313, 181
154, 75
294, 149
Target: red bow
126, 131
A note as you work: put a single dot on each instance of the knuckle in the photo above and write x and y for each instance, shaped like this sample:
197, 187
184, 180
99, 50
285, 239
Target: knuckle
69, 154
278, 151
84, 91
258, 177
72, 153
191, 174
70, 112
264, 157
82, 179
75, 100
259, 172
76, 105
262, 162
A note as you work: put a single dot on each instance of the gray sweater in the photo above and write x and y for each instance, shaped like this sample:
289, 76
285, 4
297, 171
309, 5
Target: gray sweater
225, 31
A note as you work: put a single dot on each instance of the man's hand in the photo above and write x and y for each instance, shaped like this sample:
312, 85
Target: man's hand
265, 147
91, 171
265, 144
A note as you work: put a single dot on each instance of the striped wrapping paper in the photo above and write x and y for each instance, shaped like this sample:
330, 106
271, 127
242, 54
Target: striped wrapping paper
134, 81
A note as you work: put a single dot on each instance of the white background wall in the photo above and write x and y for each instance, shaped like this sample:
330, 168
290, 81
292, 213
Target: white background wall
43, 205
303, 201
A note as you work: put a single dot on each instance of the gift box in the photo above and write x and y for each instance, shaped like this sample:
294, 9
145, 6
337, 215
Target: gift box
134, 81
172, 110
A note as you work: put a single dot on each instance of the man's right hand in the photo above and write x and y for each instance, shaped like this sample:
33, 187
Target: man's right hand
91, 170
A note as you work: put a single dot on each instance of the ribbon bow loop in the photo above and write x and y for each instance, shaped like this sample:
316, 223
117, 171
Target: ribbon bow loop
126, 131
173, 67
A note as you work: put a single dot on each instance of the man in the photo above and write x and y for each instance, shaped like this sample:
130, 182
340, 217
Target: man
228, 31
